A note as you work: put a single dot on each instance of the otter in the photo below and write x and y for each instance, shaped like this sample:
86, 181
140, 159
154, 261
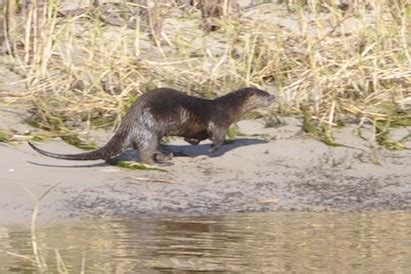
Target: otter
168, 112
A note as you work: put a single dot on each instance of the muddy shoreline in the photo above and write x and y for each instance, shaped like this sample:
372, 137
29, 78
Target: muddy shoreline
288, 172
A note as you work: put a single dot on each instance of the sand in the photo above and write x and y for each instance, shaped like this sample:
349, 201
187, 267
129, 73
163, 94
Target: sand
290, 171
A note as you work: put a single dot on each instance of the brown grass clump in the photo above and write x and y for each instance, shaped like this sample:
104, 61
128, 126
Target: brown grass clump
341, 61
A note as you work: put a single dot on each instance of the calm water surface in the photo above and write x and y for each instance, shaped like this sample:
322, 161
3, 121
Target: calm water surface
263, 242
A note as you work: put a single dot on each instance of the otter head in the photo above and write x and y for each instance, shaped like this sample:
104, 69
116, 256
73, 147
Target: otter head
256, 98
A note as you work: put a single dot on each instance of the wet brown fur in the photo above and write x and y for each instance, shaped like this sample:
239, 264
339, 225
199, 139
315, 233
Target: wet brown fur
167, 112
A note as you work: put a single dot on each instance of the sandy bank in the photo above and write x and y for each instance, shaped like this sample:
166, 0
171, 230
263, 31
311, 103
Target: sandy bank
290, 172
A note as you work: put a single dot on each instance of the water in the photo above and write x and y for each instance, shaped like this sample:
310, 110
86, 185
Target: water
263, 242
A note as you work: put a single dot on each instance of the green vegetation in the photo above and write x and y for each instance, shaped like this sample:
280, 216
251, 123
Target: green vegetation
233, 132
323, 134
77, 142
395, 118
4, 136
135, 165
382, 129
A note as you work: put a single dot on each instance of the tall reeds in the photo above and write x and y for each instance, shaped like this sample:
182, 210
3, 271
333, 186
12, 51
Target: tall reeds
340, 62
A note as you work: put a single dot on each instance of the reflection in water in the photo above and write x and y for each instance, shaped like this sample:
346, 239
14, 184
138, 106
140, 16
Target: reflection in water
266, 242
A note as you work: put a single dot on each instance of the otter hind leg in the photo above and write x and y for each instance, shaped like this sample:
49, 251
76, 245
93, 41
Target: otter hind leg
162, 157
146, 148
217, 136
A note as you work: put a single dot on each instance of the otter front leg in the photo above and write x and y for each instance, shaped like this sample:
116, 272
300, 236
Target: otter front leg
217, 136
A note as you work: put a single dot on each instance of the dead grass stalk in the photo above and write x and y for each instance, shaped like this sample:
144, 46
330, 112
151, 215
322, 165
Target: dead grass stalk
83, 73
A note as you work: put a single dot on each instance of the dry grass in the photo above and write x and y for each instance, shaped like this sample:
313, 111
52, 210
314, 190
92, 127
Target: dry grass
82, 72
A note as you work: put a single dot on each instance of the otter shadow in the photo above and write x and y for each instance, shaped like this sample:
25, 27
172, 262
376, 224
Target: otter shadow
69, 166
188, 150
203, 149
177, 150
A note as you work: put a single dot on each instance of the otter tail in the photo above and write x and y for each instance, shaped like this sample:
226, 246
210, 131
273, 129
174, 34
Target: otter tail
116, 145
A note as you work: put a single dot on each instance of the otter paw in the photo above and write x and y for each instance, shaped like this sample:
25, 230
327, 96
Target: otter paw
213, 149
161, 157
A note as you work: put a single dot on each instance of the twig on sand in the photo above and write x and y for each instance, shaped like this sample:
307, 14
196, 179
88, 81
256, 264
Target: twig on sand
268, 201
153, 180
